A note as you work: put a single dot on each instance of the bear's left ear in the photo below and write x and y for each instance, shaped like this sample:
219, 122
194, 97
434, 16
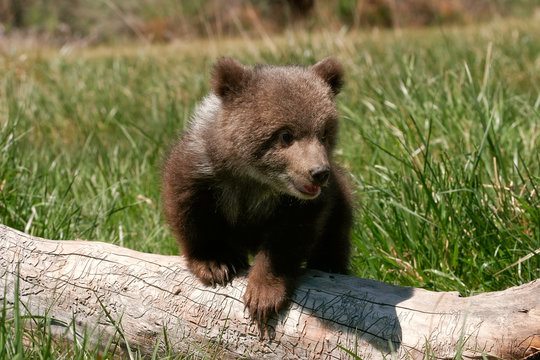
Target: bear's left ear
229, 77
331, 71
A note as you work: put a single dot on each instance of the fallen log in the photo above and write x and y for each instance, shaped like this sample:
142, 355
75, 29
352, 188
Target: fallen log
111, 289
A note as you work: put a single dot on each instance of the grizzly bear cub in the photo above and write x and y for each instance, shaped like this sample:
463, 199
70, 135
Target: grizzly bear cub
254, 174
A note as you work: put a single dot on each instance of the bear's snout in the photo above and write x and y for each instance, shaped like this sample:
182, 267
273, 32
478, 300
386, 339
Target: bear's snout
320, 175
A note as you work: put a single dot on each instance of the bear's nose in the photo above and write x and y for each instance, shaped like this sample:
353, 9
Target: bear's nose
320, 175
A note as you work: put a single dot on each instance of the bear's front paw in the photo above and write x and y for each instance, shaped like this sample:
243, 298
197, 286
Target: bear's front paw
265, 298
212, 272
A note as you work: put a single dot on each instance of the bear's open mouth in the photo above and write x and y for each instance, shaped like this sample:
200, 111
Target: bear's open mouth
311, 191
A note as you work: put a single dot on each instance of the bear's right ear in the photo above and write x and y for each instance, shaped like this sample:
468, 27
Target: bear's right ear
229, 77
331, 71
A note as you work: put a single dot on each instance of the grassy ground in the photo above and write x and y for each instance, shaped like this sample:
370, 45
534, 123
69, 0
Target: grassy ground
112, 22
440, 132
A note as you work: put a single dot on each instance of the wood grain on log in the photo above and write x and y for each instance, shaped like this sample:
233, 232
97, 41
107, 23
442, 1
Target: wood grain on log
147, 294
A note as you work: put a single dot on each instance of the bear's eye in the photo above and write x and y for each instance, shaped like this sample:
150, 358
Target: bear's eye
286, 138
324, 136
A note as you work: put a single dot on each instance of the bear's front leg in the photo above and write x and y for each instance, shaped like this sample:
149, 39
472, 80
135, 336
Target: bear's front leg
204, 236
216, 271
268, 290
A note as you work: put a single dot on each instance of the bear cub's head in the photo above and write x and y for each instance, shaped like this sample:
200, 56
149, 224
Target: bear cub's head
278, 124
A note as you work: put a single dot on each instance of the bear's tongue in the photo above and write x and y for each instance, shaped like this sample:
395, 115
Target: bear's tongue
311, 189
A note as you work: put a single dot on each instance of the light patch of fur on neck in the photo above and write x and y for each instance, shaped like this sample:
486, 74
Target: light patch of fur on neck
205, 116
239, 200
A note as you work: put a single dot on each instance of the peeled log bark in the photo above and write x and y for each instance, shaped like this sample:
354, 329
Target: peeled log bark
146, 294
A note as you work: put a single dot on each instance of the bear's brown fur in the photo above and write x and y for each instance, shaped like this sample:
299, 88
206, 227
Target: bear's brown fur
254, 174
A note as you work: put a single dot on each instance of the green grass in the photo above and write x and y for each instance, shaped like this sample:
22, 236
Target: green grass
440, 132
113, 22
